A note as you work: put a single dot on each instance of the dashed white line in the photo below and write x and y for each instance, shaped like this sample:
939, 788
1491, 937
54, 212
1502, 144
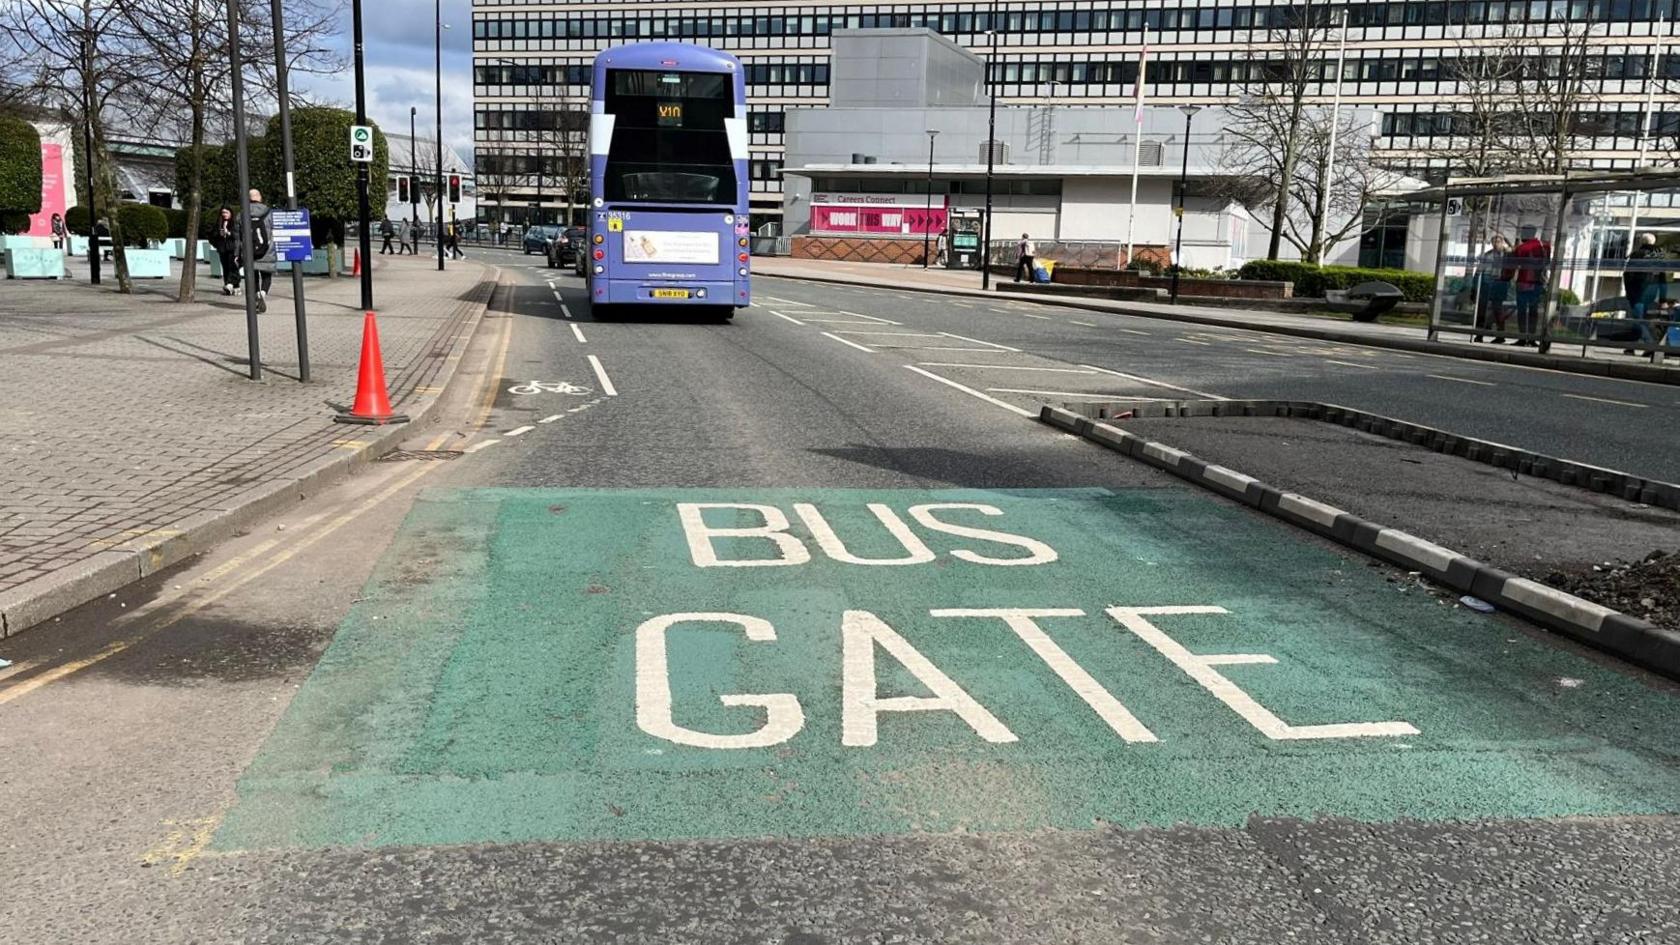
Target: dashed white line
1275, 354
1009, 367
519, 431
1607, 400
558, 297
977, 341
565, 311
1192, 341
1368, 367
478, 446
1087, 395
1031, 315
884, 321
897, 334
786, 318
1155, 383
1461, 380
551, 419
850, 344
1129, 331
579, 333
972, 392
601, 375
1075, 321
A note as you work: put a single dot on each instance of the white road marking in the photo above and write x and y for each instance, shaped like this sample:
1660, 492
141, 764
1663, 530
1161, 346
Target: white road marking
1031, 315
601, 375
884, 321
1129, 331
551, 419
786, 318
779, 301
850, 344
979, 342
971, 391
896, 334
579, 333
1066, 393
1073, 321
1461, 380
1145, 380
558, 297
478, 446
1192, 341
842, 321
565, 311
1275, 354
1009, 367
519, 431
1368, 367
1607, 400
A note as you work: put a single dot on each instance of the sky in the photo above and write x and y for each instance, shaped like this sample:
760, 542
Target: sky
398, 53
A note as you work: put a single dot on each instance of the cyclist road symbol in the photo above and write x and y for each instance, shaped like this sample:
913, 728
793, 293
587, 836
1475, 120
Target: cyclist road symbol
540, 387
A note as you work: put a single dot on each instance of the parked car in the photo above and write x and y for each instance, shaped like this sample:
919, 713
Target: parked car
537, 239
563, 251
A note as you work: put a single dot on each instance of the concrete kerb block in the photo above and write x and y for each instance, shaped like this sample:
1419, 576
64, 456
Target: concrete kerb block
47, 596
1627, 637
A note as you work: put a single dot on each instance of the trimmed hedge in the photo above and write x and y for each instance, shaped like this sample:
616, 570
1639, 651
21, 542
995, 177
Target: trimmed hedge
20, 171
142, 224
76, 220
1311, 281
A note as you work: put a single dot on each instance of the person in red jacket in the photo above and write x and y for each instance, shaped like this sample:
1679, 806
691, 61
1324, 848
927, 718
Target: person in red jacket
1530, 261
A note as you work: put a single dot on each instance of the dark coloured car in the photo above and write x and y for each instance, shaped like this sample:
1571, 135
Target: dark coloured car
563, 252
537, 239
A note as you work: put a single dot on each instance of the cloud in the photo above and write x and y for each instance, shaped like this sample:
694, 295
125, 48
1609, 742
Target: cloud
398, 61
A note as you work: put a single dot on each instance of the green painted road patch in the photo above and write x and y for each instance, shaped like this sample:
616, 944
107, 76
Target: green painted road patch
565, 664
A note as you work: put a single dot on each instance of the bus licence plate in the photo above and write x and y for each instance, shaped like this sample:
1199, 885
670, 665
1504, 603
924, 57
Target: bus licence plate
670, 293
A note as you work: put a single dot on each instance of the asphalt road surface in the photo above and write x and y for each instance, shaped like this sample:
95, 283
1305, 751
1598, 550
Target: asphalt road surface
798, 629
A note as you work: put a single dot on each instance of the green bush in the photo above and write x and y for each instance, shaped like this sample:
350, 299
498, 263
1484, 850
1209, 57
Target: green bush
76, 220
20, 169
177, 222
1312, 281
14, 221
142, 224
326, 180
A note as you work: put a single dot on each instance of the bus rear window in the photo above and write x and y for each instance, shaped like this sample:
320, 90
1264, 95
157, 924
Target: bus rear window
669, 144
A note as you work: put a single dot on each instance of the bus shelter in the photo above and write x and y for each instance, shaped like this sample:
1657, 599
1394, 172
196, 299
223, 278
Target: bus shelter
1589, 259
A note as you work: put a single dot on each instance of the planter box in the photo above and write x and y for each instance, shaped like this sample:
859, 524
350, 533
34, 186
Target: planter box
317, 265
34, 263
25, 242
178, 249
148, 264
78, 245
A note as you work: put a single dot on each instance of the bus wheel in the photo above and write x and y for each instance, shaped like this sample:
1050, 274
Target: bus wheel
725, 313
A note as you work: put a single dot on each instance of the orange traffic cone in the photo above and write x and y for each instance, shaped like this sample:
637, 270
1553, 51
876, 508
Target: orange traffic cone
373, 402
356, 266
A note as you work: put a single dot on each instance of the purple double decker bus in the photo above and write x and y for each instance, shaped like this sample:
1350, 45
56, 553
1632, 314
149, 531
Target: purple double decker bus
668, 220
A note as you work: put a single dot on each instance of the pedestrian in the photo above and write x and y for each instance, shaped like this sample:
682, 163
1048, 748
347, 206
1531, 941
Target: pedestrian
414, 236
259, 256
224, 239
1531, 257
1493, 284
455, 238
1645, 284
1024, 258
386, 231
58, 231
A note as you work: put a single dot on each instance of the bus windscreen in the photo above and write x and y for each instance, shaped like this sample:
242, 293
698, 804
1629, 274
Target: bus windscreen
669, 143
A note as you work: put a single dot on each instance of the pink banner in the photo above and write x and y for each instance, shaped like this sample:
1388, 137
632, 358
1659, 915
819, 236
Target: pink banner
52, 190
879, 221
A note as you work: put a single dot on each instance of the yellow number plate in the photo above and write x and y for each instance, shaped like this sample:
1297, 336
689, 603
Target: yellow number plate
670, 293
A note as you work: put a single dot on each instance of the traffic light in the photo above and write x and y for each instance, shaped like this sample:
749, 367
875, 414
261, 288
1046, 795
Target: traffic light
402, 190
454, 188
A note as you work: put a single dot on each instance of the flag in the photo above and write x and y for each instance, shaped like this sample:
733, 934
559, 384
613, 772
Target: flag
1143, 70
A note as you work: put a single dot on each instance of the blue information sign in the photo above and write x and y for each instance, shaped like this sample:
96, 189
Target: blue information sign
291, 235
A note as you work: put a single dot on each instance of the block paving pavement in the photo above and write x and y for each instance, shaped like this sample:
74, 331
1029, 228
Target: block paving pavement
123, 416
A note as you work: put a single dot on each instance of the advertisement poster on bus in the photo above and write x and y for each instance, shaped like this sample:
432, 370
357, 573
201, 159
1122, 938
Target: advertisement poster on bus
670, 246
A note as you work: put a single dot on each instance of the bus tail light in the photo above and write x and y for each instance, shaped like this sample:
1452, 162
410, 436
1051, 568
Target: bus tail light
600, 254
742, 242
599, 239
743, 257
742, 270
600, 269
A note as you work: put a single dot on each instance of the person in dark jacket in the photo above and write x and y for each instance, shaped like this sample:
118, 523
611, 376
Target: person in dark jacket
224, 239
387, 230
259, 257
1493, 284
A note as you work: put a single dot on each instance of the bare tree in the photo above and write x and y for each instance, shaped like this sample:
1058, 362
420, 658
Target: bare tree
81, 64
492, 173
1339, 201
1285, 66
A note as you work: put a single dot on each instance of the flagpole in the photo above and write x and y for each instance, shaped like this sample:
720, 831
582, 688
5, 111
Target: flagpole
1335, 124
1137, 148
1645, 131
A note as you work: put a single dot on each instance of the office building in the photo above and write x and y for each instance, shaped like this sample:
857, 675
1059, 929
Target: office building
531, 58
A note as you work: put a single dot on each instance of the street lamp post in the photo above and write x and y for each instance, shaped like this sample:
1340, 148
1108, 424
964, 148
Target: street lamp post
87, 127
927, 221
363, 212
1183, 185
413, 176
991, 152
437, 23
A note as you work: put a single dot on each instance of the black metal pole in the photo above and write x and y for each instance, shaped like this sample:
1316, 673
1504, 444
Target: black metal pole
364, 213
437, 30
927, 221
253, 340
991, 152
291, 181
87, 128
1183, 185
413, 178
